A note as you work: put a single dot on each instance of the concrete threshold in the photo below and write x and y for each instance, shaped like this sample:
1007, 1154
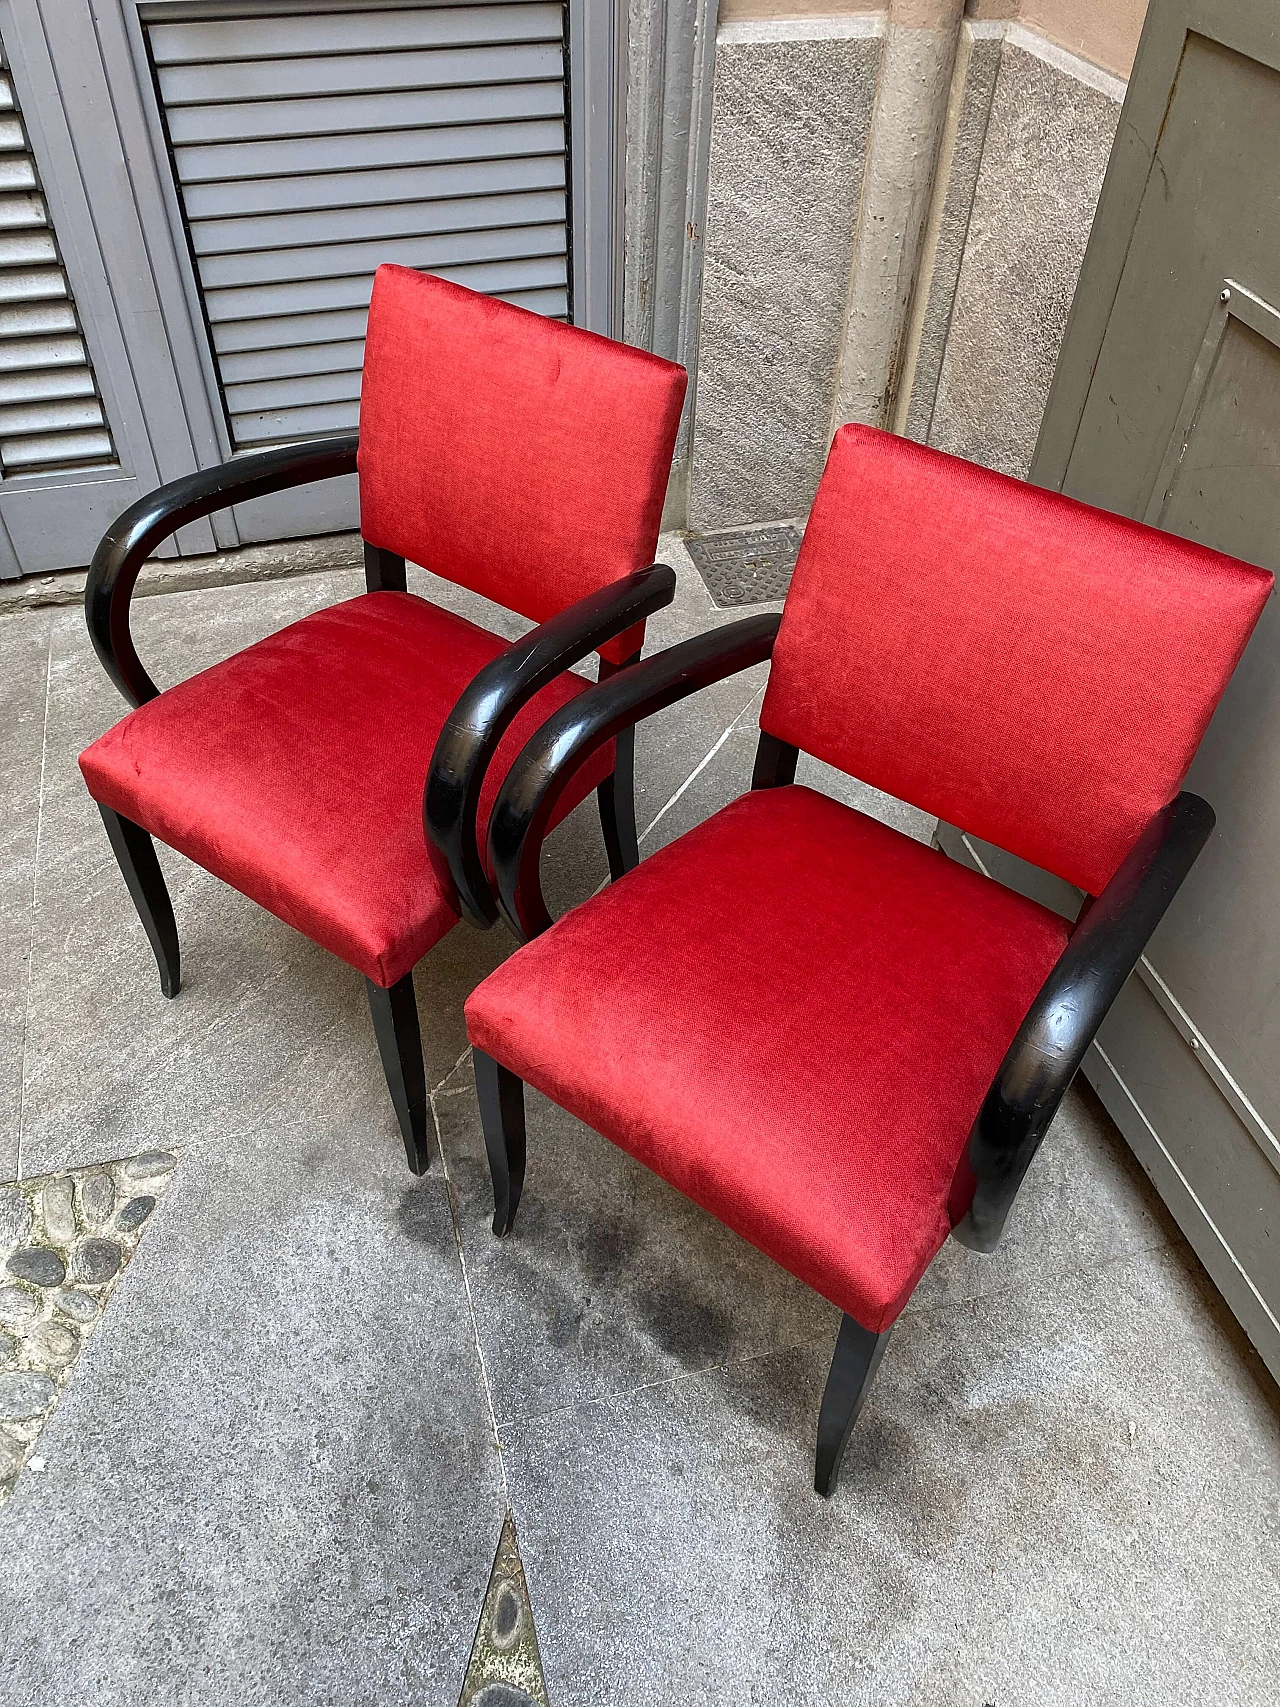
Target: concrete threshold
272, 562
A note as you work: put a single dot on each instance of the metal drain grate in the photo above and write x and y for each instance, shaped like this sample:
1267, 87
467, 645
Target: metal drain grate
749, 566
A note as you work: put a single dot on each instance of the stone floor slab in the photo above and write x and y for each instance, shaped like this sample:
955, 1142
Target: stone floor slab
610, 1279
24, 669
1062, 1494
274, 1478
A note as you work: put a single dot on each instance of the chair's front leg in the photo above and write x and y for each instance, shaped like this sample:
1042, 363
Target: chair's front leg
395, 1025
501, 1097
616, 796
136, 856
853, 1369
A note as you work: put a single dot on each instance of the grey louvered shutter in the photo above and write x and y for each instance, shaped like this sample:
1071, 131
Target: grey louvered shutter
50, 413
309, 147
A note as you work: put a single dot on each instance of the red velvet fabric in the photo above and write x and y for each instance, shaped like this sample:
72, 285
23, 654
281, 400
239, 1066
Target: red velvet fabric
295, 770
1031, 669
792, 1014
514, 455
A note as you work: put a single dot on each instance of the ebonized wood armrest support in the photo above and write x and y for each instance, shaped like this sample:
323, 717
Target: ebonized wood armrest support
133, 536
1041, 1062
479, 720
538, 777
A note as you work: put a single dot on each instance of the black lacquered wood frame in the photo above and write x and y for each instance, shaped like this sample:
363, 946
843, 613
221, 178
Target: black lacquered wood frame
135, 534
1039, 1066
540, 775
1105, 947
483, 714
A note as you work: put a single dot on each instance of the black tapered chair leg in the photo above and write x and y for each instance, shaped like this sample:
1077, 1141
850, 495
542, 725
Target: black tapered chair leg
501, 1097
395, 1025
136, 856
616, 796
853, 1369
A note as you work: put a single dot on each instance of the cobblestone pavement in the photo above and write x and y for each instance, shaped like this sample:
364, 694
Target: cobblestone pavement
65, 1240
506, 1667
272, 1464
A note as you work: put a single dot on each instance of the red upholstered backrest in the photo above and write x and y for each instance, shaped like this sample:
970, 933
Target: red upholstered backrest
519, 457
1034, 670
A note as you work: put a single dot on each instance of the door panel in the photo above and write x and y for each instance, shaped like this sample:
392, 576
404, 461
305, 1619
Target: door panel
1166, 407
1217, 167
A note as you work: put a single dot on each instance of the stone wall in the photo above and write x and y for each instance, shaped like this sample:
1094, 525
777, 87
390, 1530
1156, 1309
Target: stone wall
1023, 151
791, 114
1034, 131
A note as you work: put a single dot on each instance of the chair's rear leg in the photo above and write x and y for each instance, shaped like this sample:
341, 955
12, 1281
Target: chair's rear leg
395, 1025
853, 1368
384, 571
617, 800
136, 856
501, 1098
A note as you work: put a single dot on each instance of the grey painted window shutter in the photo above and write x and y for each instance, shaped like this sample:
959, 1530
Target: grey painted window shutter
308, 148
50, 412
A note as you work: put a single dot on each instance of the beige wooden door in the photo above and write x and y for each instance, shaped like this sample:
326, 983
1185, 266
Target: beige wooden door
1166, 407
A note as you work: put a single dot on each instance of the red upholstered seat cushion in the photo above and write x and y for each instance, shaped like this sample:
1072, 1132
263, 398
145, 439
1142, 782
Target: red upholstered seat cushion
295, 770
511, 454
1032, 669
792, 1014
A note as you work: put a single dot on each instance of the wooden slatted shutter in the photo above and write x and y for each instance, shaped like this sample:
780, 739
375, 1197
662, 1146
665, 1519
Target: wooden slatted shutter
51, 416
309, 147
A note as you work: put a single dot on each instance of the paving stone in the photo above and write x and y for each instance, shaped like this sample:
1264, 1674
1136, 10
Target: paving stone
16, 1219
503, 1695
51, 1343
17, 1306
96, 1261
151, 1165
506, 1618
505, 1669
10, 1456
97, 1198
38, 1265
48, 1348
24, 1395
57, 1205
134, 1213
76, 1306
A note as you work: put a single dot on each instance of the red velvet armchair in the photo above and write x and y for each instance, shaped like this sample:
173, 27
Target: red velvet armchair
515, 456
840, 1043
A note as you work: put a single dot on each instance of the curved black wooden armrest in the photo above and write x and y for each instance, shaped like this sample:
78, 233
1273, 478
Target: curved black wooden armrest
1042, 1060
537, 779
133, 536
482, 715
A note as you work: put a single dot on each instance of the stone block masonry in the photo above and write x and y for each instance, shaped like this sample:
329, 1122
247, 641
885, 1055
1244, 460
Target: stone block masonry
789, 345
792, 114
1048, 136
